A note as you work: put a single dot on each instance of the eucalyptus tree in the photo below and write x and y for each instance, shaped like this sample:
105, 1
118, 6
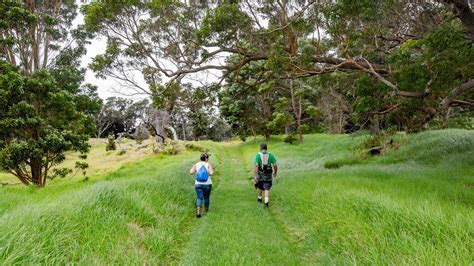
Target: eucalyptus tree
152, 39
418, 53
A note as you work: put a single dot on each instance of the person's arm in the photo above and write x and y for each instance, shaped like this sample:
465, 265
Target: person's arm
255, 173
211, 169
273, 160
193, 170
255, 169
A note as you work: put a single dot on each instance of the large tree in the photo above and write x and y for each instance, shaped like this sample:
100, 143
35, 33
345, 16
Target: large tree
46, 110
35, 34
418, 53
38, 124
145, 39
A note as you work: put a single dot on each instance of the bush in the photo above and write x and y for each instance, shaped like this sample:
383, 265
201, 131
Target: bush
375, 141
291, 138
194, 147
170, 150
110, 143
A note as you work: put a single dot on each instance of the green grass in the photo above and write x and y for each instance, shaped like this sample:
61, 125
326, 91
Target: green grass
411, 205
100, 161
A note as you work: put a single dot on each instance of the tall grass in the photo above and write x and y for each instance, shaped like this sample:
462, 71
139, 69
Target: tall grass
138, 214
412, 205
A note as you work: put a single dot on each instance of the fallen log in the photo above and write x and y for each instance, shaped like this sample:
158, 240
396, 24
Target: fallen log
379, 149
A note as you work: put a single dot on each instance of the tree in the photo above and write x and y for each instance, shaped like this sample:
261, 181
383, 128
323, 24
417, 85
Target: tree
143, 38
88, 102
385, 44
120, 115
34, 34
364, 37
38, 35
247, 101
219, 130
38, 124
45, 110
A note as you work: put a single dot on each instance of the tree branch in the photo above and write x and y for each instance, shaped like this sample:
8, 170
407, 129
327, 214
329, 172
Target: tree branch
467, 86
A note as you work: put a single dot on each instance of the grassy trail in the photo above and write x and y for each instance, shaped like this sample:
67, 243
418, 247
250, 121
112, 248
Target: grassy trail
238, 230
413, 205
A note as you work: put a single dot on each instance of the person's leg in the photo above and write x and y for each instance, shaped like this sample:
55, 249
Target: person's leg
259, 191
199, 195
267, 196
199, 199
207, 193
267, 187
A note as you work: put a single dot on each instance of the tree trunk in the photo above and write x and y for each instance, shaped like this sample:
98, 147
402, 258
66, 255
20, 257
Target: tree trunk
21, 176
465, 87
36, 173
158, 137
375, 125
267, 135
462, 10
173, 132
184, 132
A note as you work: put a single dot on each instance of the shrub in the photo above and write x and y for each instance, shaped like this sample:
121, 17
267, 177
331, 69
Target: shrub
122, 152
194, 147
375, 141
291, 138
110, 143
170, 150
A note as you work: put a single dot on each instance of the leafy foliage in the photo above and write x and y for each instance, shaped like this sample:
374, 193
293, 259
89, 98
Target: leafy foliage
383, 63
46, 109
39, 122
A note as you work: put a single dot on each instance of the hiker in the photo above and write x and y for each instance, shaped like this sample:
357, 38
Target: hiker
203, 183
265, 171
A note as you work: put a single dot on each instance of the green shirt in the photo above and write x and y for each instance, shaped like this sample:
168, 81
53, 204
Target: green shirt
271, 159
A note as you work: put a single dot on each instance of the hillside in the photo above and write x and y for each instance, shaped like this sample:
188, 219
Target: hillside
411, 205
100, 161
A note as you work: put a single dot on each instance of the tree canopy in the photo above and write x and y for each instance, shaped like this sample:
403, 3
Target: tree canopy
46, 109
213, 69
399, 63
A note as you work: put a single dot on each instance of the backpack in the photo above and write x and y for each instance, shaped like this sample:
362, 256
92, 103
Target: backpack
265, 168
202, 173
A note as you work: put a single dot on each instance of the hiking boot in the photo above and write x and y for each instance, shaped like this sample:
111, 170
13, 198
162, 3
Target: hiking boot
259, 200
206, 209
198, 212
266, 205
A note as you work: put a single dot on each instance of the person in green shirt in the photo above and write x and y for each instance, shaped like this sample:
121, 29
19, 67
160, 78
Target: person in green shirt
265, 171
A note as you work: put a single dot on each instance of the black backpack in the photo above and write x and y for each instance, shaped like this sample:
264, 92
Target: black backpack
265, 168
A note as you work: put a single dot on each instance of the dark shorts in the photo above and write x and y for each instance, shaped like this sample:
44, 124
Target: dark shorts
264, 185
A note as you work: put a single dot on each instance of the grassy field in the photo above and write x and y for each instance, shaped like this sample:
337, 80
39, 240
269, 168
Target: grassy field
100, 161
412, 205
